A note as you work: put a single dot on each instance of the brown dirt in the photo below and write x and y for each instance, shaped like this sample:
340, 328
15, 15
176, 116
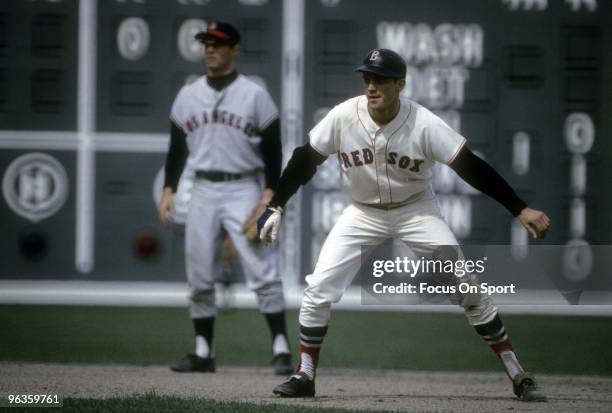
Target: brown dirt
366, 390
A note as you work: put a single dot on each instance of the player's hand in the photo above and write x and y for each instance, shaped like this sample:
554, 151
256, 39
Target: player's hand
536, 222
166, 208
249, 229
269, 223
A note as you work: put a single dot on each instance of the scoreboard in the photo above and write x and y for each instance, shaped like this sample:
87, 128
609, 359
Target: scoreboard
86, 87
146, 51
524, 81
38, 71
85, 92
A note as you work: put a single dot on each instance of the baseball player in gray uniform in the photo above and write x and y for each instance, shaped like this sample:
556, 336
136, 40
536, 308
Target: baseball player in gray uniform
386, 146
226, 128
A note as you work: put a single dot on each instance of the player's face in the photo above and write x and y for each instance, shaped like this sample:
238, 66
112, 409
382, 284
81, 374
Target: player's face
220, 57
382, 92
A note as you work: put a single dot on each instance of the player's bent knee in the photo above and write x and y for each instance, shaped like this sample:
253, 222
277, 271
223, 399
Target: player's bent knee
321, 293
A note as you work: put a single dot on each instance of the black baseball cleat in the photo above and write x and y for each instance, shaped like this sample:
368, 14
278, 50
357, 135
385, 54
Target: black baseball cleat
193, 363
298, 385
526, 388
283, 364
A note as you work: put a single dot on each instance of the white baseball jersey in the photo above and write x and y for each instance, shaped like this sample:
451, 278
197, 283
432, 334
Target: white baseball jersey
223, 128
384, 165
389, 164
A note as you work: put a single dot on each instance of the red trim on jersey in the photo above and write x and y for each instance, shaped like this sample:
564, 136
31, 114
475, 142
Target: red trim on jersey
387, 151
269, 121
360, 121
374, 146
456, 152
320, 152
179, 124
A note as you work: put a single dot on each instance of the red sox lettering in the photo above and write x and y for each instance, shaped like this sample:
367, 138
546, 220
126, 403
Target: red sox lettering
367, 158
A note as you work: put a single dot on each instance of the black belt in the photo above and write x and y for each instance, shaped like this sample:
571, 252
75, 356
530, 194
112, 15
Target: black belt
387, 207
218, 176
384, 207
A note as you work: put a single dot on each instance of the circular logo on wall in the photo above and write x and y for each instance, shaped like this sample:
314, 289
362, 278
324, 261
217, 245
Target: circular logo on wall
191, 49
133, 38
35, 186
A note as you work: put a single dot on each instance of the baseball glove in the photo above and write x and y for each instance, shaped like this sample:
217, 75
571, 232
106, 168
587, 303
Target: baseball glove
249, 229
229, 252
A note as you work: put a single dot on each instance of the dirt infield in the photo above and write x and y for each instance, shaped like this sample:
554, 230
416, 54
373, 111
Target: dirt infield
367, 390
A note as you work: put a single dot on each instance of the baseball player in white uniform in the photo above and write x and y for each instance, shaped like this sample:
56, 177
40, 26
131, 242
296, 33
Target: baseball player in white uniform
386, 147
226, 128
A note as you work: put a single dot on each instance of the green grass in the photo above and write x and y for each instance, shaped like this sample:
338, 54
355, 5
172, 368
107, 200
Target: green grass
157, 404
385, 340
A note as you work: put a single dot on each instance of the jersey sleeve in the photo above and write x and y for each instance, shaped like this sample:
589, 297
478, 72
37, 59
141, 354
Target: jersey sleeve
177, 112
324, 136
265, 110
440, 142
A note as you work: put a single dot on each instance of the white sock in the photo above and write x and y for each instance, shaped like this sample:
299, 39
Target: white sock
511, 363
202, 349
306, 365
280, 345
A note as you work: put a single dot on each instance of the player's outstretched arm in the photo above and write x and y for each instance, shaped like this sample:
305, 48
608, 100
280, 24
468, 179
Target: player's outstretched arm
483, 177
300, 169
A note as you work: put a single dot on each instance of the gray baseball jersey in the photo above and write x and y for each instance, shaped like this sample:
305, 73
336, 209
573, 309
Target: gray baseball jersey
223, 127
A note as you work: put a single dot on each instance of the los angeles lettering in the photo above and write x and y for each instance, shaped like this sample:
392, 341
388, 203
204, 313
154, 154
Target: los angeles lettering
365, 156
224, 117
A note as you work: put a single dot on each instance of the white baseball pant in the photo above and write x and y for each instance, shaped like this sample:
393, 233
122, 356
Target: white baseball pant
417, 224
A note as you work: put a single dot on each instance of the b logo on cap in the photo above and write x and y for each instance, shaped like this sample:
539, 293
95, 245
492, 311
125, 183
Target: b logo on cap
374, 55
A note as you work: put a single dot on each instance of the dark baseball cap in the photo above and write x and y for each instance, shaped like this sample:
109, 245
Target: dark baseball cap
220, 32
384, 62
